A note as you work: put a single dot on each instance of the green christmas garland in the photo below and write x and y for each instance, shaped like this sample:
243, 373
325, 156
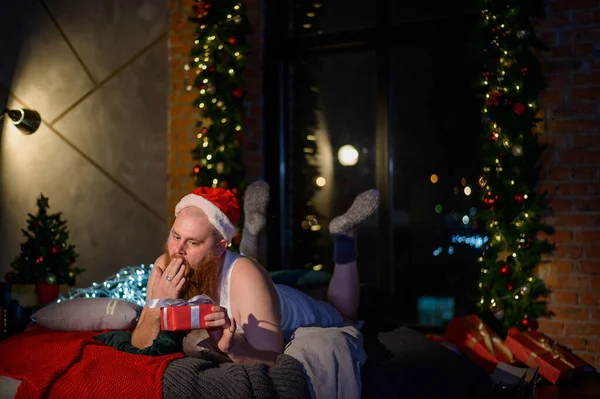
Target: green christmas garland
218, 61
511, 158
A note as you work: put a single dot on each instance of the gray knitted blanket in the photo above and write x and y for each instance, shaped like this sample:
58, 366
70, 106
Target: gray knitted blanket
194, 378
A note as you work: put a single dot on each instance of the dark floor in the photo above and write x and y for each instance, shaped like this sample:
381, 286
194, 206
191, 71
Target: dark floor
585, 386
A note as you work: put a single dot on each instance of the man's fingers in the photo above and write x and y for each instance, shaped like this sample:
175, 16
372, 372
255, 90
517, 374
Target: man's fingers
179, 285
180, 272
217, 323
173, 267
233, 326
215, 316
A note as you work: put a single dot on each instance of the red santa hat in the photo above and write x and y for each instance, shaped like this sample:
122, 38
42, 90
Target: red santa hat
221, 206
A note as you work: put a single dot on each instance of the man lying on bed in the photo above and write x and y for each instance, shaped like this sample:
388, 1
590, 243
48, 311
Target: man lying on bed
251, 313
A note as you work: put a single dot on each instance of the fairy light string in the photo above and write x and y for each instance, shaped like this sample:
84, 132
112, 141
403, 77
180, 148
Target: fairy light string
512, 210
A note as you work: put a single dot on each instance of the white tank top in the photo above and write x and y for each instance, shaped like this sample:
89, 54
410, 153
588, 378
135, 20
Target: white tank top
231, 259
297, 308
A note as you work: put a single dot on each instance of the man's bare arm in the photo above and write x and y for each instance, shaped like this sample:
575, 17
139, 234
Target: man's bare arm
148, 326
255, 305
243, 353
147, 329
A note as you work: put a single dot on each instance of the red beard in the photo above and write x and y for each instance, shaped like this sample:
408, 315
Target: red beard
200, 279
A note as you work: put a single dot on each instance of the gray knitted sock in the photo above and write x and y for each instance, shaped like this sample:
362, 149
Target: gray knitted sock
364, 205
256, 199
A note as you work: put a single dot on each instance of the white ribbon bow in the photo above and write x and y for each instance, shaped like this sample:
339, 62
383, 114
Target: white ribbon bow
167, 302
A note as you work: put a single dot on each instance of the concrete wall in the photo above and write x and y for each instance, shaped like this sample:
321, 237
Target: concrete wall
97, 71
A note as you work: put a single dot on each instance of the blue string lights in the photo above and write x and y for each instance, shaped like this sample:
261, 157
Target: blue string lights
128, 284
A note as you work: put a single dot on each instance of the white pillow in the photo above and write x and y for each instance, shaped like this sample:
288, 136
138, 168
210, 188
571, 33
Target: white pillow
89, 314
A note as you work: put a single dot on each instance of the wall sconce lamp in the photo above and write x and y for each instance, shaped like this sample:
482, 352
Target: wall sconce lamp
26, 120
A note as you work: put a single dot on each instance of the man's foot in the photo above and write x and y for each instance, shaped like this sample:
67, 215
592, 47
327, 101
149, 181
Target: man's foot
256, 199
364, 205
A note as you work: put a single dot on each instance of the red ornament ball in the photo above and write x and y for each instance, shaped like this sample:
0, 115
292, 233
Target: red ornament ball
39, 259
493, 137
493, 98
200, 11
211, 68
197, 168
55, 250
239, 92
504, 270
207, 5
525, 322
490, 199
520, 199
232, 40
519, 109
224, 185
235, 191
204, 130
510, 287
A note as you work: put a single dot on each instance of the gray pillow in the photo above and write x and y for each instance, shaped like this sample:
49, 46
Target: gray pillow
89, 314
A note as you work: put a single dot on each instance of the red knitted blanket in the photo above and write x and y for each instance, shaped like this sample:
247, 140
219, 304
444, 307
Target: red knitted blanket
58, 364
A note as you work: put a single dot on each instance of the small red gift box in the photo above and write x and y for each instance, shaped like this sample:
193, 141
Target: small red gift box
184, 318
535, 349
473, 338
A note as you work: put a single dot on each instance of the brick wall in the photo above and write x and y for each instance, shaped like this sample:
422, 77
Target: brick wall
182, 116
572, 172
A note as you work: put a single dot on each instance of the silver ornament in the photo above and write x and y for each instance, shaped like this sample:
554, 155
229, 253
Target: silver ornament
499, 314
51, 279
517, 150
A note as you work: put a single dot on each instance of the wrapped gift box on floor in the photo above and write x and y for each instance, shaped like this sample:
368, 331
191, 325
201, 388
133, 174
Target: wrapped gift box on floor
535, 349
182, 315
478, 342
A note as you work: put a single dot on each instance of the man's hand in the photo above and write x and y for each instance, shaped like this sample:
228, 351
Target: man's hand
168, 283
220, 328
236, 346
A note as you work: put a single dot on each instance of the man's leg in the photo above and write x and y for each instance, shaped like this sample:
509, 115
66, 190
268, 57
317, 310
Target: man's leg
256, 199
344, 290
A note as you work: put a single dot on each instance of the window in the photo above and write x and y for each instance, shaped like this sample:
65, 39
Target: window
373, 100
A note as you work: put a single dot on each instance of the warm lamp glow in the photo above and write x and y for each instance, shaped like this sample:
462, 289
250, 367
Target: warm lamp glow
347, 155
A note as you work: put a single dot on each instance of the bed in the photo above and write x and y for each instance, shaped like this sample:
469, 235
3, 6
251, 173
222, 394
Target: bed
317, 362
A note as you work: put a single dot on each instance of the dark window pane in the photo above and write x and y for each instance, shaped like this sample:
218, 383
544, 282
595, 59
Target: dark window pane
412, 11
314, 17
434, 124
329, 108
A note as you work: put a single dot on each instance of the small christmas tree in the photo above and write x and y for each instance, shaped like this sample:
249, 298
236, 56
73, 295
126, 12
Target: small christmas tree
45, 257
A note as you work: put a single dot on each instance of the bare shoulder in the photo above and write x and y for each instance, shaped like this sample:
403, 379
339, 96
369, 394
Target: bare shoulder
248, 271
